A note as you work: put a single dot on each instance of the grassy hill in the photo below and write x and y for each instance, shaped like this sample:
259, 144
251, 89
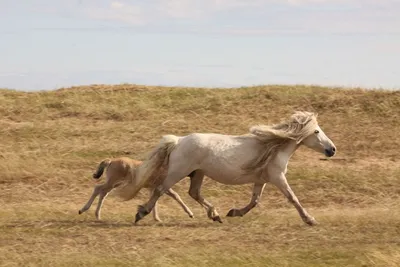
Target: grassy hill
51, 142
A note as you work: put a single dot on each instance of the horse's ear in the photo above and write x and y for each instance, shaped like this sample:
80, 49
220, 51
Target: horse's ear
316, 114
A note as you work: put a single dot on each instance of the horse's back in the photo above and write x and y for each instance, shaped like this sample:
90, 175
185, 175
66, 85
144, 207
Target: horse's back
219, 156
206, 139
211, 141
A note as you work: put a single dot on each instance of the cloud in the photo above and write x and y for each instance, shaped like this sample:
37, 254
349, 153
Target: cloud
238, 17
117, 5
179, 9
117, 11
232, 4
305, 2
158, 10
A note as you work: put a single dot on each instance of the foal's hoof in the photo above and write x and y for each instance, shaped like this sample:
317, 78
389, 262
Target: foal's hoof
191, 215
217, 219
234, 213
80, 212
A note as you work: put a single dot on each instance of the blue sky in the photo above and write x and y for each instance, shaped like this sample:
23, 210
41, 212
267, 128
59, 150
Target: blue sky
46, 44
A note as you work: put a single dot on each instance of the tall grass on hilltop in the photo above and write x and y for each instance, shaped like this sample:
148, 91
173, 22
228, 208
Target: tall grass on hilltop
52, 141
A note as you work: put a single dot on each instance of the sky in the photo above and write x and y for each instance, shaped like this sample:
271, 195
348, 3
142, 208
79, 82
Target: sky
48, 44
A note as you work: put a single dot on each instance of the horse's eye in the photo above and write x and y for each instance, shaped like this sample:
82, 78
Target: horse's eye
316, 131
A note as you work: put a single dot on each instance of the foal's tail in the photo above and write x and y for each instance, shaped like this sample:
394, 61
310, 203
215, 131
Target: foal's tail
100, 168
149, 171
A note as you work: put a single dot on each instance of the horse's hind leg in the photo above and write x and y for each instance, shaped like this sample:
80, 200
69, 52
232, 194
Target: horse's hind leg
156, 217
196, 180
96, 191
255, 199
175, 174
178, 199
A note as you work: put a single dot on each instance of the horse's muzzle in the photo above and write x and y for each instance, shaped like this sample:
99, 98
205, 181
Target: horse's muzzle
330, 152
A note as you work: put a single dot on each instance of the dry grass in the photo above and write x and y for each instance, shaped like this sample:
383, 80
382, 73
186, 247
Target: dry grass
52, 141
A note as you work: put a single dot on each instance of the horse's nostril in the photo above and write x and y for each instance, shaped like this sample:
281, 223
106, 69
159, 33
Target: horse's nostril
330, 152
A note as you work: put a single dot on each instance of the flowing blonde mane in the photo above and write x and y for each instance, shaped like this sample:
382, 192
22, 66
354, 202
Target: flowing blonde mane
273, 137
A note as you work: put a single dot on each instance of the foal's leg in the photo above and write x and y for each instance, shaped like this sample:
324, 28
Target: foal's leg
255, 199
96, 191
155, 213
194, 191
178, 199
281, 182
103, 194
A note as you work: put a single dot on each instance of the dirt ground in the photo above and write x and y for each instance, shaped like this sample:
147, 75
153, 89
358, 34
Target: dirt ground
51, 142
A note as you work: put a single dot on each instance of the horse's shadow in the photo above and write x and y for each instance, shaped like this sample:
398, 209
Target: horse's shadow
63, 223
106, 224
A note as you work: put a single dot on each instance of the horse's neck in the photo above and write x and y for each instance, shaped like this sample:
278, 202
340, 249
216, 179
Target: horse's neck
283, 156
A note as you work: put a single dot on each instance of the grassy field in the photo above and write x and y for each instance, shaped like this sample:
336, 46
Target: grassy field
51, 143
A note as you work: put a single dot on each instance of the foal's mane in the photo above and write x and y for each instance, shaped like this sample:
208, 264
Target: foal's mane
273, 137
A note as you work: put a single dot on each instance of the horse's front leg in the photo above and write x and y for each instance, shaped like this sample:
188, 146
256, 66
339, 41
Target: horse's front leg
255, 199
281, 182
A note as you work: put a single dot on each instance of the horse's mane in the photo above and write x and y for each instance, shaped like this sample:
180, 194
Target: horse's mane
273, 137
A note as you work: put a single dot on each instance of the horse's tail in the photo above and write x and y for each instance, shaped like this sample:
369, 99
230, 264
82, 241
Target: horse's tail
150, 170
100, 168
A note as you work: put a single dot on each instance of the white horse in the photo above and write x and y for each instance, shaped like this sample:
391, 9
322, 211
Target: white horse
259, 157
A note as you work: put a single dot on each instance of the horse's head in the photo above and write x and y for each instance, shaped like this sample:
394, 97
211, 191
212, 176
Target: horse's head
319, 142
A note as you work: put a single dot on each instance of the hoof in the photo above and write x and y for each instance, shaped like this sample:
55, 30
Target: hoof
80, 212
158, 220
191, 215
141, 213
234, 213
217, 219
310, 221
138, 217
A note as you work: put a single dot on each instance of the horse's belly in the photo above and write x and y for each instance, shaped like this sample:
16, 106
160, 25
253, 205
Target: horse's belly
221, 158
229, 177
